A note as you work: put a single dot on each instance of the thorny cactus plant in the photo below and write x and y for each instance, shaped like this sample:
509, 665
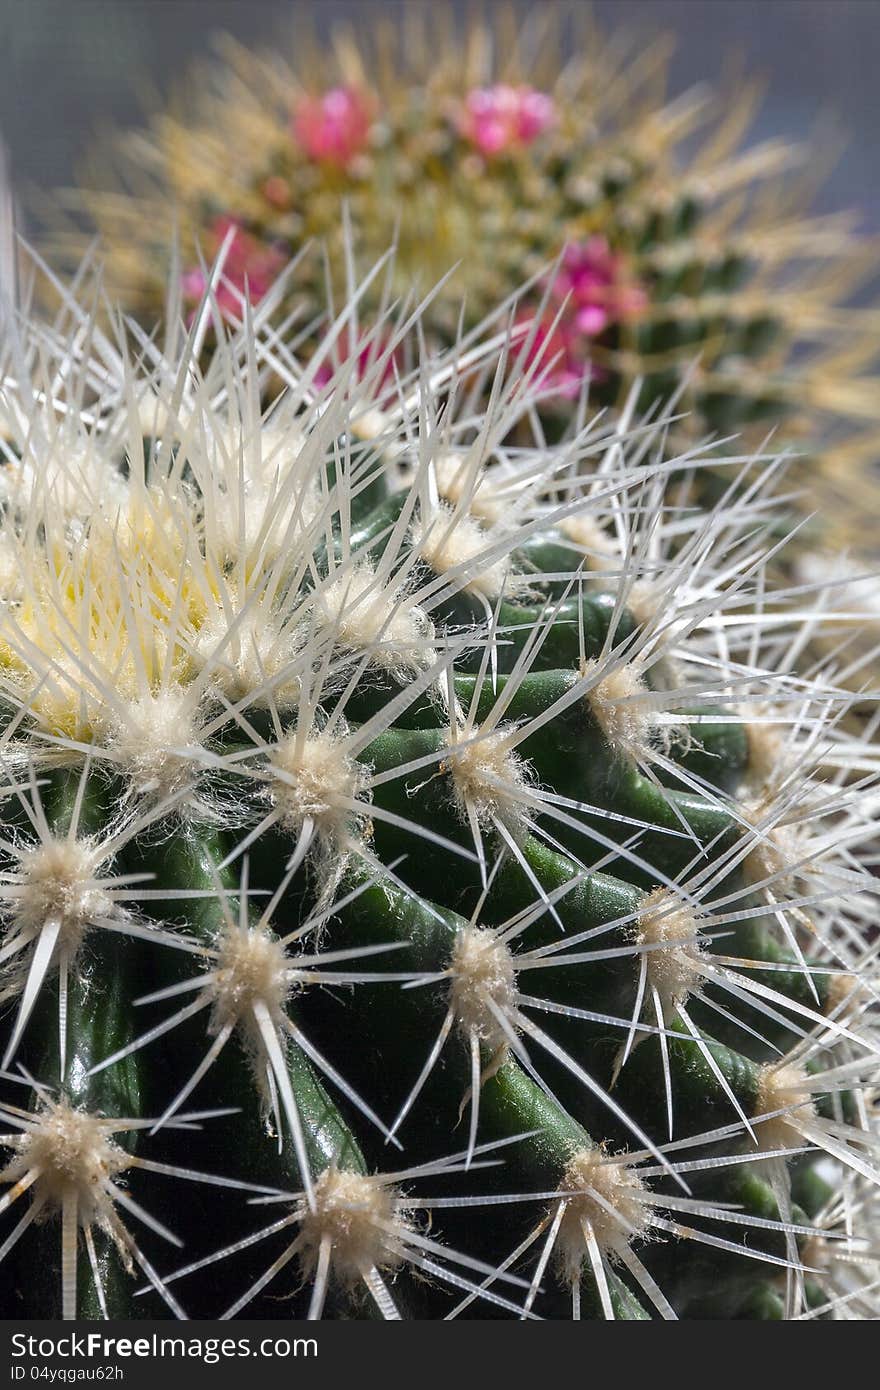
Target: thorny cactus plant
426, 838
495, 148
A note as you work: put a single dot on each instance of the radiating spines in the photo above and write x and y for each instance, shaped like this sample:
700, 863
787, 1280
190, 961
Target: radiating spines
63, 883
69, 1163
611, 1228
361, 1230
247, 990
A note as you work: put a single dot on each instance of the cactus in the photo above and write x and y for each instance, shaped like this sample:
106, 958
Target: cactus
428, 836
492, 150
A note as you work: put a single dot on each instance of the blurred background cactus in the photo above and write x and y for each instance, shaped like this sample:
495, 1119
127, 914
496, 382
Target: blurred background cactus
492, 145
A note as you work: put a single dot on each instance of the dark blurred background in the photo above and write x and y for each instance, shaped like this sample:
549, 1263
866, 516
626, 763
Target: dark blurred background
71, 67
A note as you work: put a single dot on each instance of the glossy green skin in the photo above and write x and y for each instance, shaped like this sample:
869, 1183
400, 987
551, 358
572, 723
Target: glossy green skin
378, 1036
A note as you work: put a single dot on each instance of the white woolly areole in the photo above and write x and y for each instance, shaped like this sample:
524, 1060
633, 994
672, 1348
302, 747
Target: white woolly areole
482, 974
370, 424
643, 603
845, 996
75, 1156
456, 482
445, 547
73, 480
601, 550
251, 968
766, 750
147, 736
627, 723
256, 508
57, 883
369, 618
673, 967
155, 420
591, 1175
782, 1087
272, 444
354, 1212
487, 779
259, 652
773, 854
268, 525
313, 778
820, 1253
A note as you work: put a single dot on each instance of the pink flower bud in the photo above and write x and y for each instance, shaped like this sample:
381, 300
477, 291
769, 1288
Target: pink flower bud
333, 128
593, 285
249, 263
502, 117
370, 350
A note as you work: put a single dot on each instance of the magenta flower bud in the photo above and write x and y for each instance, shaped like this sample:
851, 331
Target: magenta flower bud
593, 280
335, 127
250, 264
500, 118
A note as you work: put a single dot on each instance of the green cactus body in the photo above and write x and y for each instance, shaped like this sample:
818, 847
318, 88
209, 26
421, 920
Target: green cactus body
486, 904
